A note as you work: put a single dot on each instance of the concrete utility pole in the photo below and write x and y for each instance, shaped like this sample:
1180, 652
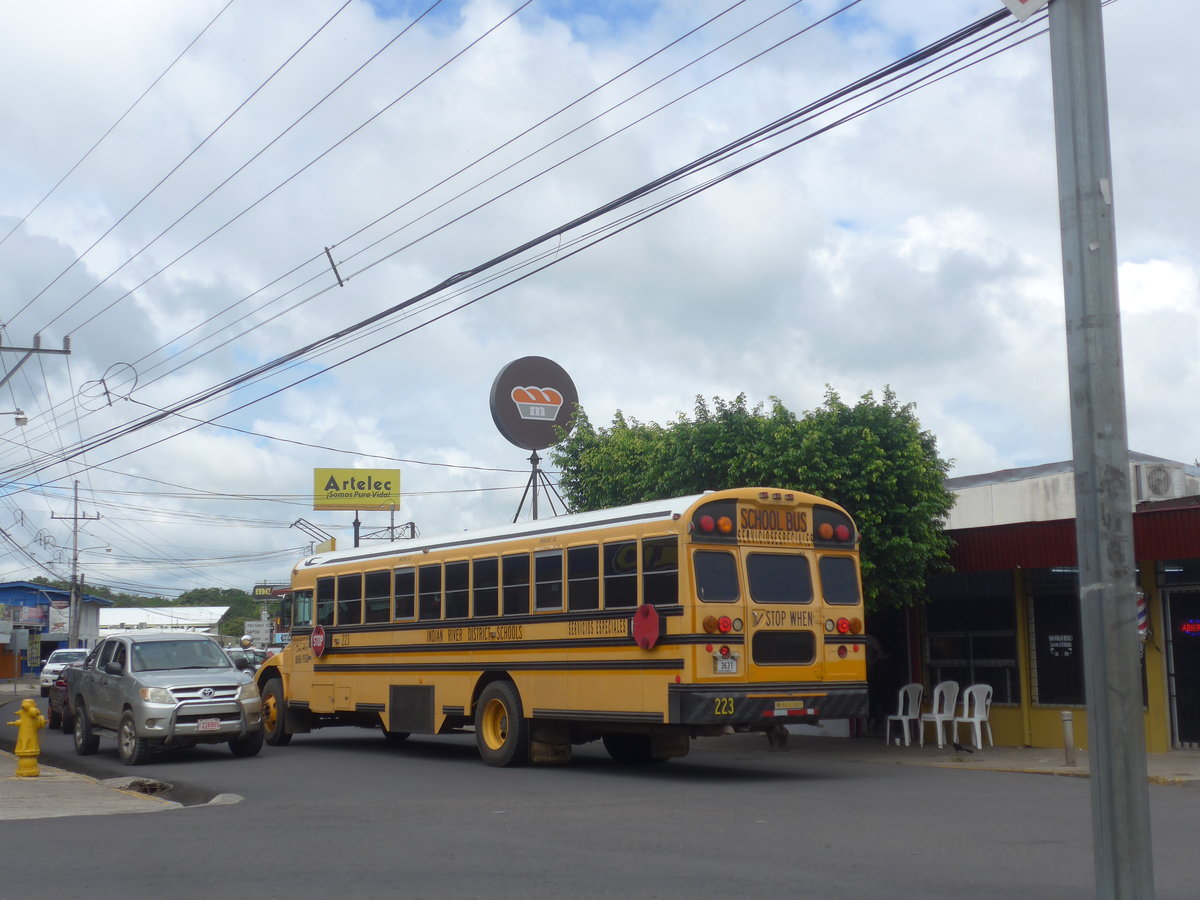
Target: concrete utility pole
1103, 500
73, 624
29, 352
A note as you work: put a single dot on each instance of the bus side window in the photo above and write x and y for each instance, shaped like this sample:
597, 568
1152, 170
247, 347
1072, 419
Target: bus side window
324, 601
485, 587
457, 597
429, 587
660, 571
716, 576
406, 585
515, 583
620, 574
548, 579
349, 599
300, 611
583, 577
377, 596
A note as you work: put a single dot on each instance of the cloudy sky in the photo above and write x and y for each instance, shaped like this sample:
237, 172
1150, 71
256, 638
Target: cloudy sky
172, 174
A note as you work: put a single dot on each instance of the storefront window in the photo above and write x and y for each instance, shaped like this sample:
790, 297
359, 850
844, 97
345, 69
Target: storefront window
971, 632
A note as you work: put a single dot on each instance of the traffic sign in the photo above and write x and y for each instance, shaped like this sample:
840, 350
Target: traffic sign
317, 641
1023, 9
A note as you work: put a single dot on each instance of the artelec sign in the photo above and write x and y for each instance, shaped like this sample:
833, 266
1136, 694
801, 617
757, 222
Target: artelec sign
531, 397
356, 488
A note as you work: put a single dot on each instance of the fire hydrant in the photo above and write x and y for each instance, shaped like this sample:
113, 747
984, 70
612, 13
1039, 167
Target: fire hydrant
29, 721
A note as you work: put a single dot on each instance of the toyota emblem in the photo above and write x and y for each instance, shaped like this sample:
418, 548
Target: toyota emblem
206, 692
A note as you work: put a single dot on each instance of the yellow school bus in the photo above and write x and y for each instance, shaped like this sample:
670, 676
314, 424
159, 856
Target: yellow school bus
641, 626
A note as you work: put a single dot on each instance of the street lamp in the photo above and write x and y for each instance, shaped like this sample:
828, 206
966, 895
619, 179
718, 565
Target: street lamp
21, 419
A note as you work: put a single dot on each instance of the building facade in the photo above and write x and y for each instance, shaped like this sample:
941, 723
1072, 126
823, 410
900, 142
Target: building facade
1009, 613
35, 620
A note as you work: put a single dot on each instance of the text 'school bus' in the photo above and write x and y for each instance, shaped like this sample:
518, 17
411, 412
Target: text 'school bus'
642, 626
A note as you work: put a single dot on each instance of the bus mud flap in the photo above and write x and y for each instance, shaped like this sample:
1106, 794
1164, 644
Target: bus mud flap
549, 742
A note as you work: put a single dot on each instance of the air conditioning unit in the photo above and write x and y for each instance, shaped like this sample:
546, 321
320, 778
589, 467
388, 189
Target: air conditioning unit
1155, 482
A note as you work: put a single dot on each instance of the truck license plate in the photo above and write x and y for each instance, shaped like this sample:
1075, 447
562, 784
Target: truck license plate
208, 725
726, 665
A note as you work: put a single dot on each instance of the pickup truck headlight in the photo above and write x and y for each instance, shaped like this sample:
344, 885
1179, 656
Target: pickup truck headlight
157, 695
248, 691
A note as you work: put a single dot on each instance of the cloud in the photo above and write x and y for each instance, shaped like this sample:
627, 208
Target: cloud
915, 246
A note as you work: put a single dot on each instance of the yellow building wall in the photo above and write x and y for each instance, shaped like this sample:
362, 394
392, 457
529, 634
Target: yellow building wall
1031, 725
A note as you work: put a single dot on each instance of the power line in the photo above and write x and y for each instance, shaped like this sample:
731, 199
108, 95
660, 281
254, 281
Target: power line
114, 125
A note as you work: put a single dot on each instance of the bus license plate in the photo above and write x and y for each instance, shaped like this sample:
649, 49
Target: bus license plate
208, 725
726, 665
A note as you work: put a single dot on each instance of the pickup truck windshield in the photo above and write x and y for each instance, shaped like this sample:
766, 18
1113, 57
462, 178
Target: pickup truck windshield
155, 655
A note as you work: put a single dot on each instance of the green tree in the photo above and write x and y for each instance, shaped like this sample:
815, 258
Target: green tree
873, 458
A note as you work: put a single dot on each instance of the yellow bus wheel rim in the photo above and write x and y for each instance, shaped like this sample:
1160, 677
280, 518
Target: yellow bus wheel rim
495, 724
270, 712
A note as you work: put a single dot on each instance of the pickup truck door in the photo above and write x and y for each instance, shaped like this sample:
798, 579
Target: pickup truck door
105, 705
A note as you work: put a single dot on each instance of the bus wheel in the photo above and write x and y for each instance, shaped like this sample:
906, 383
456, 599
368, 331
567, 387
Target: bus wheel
628, 749
501, 730
272, 714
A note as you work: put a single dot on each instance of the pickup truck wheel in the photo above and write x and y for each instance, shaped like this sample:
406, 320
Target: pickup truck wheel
250, 745
133, 750
86, 743
273, 704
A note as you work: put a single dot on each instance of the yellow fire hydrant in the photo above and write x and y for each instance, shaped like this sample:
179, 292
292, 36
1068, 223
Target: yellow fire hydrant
29, 721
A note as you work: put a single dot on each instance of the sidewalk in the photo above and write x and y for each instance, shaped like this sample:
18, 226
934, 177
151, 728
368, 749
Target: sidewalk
56, 792
1179, 767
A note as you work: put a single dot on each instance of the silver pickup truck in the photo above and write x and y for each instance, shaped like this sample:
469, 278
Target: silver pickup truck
151, 690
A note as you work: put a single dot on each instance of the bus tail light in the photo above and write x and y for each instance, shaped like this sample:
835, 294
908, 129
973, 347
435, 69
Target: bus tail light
843, 626
841, 651
725, 624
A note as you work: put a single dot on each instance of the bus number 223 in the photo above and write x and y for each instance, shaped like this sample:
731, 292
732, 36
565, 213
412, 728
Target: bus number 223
722, 706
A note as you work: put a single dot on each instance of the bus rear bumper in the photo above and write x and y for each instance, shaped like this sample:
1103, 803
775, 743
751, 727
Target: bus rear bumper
764, 705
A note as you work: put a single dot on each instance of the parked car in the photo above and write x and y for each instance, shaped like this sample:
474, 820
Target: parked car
152, 690
55, 663
58, 701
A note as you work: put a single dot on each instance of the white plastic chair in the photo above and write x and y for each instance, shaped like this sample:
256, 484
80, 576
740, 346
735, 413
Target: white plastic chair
945, 695
976, 707
908, 712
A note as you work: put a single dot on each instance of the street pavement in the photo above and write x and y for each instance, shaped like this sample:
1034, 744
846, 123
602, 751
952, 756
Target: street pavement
57, 792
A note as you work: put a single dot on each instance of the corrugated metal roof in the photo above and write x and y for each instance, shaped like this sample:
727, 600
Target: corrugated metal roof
131, 617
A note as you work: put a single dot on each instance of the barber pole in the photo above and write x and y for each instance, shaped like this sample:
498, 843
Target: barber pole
1143, 616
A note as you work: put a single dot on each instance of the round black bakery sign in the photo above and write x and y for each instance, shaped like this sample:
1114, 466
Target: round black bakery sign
530, 397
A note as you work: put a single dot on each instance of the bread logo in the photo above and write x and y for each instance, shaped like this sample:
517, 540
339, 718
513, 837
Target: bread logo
539, 404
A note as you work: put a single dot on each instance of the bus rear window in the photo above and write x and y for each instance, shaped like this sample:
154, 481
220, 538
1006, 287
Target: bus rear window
839, 580
779, 578
716, 576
